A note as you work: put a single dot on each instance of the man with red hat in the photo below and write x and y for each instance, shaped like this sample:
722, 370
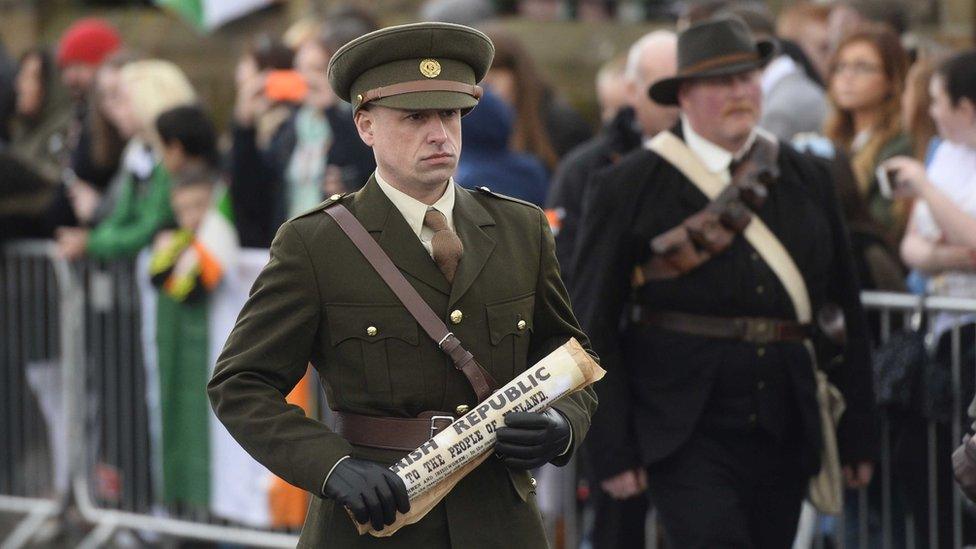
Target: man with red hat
82, 48
716, 282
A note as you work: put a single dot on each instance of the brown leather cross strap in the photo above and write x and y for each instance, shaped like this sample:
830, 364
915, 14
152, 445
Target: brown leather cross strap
712, 230
390, 433
419, 86
480, 380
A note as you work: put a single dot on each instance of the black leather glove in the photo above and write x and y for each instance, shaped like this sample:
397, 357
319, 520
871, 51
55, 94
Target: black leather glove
531, 439
372, 492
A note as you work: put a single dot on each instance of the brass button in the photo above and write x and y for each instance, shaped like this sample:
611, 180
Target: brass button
761, 352
533, 481
371, 331
521, 325
761, 385
456, 316
752, 418
754, 256
335, 197
461, 409
760, 289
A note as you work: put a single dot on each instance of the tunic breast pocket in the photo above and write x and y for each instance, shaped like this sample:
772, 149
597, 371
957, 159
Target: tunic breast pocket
510, 327
371, 342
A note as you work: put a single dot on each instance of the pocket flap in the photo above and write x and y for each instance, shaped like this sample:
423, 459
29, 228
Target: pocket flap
370, 323
512, 316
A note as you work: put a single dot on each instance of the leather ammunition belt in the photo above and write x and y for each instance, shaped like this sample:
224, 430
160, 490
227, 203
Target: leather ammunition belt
711, 231
390, 433
748, 329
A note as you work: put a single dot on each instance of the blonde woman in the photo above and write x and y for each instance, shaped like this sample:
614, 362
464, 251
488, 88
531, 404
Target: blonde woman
866, 81
145, 89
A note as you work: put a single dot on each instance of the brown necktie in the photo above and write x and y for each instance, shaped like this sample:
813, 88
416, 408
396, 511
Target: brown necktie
445, 244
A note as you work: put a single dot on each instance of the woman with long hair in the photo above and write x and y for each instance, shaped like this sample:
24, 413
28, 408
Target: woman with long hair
105, 142
30, 168
866, 82
915, 104
41, 114
544, 126
97, 158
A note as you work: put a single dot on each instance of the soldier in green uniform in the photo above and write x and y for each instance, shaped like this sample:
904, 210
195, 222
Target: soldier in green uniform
483, 262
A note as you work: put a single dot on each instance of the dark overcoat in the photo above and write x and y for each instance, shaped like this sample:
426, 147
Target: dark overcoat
661, 385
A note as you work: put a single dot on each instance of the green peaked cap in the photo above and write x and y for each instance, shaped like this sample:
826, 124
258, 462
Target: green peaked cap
416, 66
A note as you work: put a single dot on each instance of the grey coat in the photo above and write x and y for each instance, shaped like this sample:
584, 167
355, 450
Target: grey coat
795, 104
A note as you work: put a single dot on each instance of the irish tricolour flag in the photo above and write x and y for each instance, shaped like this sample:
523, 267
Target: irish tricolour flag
209, 14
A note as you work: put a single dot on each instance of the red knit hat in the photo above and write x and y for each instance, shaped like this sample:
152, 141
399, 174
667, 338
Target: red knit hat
87, 41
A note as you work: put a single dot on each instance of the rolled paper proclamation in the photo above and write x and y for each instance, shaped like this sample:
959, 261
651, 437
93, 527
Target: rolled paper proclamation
432, 470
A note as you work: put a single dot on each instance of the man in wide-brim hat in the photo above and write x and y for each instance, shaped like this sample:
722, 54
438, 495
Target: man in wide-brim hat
485, 265
710, 399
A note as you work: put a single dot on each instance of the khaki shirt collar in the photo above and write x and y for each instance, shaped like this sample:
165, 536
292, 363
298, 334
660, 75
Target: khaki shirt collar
413, 210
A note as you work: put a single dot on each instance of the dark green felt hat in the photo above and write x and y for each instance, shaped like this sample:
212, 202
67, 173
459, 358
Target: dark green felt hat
715, 47
415, 66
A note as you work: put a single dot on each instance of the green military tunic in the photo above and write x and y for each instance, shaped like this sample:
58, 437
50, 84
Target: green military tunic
319, 301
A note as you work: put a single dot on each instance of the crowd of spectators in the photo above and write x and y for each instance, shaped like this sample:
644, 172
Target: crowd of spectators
110, 152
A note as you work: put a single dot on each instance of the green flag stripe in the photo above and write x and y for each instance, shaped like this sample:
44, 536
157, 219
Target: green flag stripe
191, 10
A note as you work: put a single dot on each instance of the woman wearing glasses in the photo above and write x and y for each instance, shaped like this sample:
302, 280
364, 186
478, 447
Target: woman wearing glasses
865, 84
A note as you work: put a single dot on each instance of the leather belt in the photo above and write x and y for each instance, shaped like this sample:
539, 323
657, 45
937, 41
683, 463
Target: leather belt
390, 433
749, 329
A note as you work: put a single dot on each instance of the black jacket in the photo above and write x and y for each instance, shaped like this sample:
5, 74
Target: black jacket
661, 385
565, 126
257, 176
568, 188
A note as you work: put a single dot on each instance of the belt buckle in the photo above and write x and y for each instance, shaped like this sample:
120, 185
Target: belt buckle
433, 429
759, 330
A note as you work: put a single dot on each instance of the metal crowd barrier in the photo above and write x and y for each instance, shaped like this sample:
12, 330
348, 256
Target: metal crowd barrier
117, 489
912, 501
74, 423
74, 420
38, 305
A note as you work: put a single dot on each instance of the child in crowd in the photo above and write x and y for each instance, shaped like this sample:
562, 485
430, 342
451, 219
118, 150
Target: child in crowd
188, 262
187, 265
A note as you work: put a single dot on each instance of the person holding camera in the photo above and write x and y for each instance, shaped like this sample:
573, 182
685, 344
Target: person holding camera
941, 235
941, 241
313, 154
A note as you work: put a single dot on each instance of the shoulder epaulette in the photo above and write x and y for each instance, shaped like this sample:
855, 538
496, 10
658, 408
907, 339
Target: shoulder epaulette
322, 205
489, 192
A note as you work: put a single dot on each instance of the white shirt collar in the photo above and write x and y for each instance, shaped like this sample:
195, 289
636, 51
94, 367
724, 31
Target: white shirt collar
715, 158
138, 158
413, 210
778, 69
